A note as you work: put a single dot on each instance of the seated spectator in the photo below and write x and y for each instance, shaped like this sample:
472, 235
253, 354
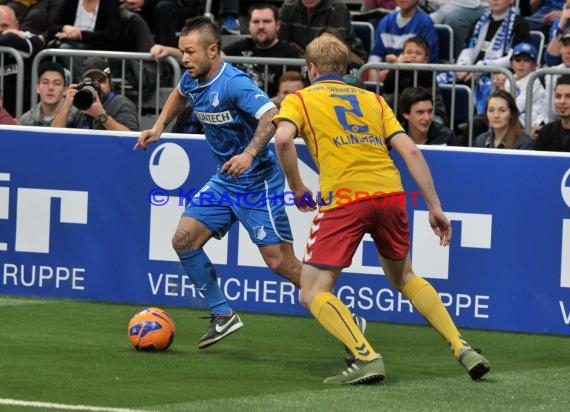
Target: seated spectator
552, 54
135, 36
415, 51
86, 24
6, 118
264, 42
373, 10
543, 18
505, 129
51, 88
164, 17
97, 106
416, 116
523, 62
27, 45
550, 80
491, 41
555, 136
35, 16
289, 82
459, 15
301, 20
394, 29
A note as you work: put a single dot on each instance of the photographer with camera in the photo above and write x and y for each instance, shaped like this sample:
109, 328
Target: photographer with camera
92, 104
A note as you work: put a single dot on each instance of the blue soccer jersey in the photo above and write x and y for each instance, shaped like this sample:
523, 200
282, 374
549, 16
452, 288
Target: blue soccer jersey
229, 106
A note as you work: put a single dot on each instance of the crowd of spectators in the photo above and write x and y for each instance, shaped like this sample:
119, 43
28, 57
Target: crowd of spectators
490, 33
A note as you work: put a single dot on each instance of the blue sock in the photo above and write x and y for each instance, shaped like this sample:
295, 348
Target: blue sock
200, 269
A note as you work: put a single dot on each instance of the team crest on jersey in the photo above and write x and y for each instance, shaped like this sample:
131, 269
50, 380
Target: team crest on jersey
260, 232
214, 99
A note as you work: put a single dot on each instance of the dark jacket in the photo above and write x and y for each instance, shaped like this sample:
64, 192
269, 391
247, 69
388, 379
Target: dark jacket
27, 47
297, 27
524, 142
553, 137
107, 26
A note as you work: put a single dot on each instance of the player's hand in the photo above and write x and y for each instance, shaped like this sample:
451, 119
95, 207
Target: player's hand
441, 226
146, 137
304, 199
238, 164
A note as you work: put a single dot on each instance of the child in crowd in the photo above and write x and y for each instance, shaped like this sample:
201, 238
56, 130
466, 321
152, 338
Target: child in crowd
523, 63
415, 51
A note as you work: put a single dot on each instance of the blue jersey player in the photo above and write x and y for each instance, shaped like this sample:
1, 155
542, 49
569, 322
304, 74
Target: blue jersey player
237, 120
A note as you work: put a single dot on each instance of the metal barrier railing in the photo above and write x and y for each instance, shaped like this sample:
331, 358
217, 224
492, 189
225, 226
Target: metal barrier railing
19, 76
266, 61
124, 57
549, 93
435, 69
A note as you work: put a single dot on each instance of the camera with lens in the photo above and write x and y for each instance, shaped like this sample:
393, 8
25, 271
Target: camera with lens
86, 93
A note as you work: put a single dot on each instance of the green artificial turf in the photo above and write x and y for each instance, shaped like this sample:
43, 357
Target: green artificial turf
78, 353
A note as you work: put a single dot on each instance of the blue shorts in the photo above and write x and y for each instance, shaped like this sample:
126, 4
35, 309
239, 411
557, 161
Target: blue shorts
256, 203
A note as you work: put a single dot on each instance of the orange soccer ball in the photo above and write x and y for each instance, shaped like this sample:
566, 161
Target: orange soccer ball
151, 329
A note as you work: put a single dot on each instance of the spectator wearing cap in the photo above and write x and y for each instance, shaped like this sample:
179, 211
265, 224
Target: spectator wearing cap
99, 107
51, 88
550, 80
523, 63
490, 43
27, 45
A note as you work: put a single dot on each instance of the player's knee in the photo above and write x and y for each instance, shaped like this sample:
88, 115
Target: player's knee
276, 263
181, 243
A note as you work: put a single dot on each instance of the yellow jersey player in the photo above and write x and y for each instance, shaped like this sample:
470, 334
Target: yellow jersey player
347, 131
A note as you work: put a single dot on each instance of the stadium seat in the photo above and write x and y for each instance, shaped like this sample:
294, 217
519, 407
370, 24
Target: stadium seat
460, 110
365, 32
445, 43
537, 39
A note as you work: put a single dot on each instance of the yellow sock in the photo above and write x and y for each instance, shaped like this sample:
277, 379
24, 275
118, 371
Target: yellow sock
335, 317
426, 300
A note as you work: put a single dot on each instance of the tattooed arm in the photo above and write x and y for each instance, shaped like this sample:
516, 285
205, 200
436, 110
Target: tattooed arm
263, 134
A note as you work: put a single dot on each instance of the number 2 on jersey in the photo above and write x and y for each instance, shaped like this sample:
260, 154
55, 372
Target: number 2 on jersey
354, 108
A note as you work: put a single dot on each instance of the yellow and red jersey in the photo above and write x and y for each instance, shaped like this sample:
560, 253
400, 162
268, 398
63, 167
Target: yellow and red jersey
345, 129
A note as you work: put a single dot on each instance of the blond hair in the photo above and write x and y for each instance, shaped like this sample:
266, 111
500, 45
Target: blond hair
328, 54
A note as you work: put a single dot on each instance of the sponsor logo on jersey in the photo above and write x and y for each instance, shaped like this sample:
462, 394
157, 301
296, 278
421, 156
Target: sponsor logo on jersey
215, 118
